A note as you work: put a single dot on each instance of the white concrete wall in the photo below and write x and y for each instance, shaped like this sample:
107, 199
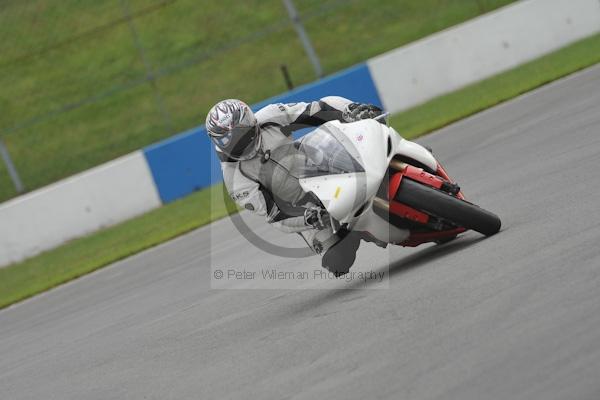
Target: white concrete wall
81, 204
480, 48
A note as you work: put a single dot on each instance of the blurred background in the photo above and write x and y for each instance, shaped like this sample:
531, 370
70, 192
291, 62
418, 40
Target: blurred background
85, 81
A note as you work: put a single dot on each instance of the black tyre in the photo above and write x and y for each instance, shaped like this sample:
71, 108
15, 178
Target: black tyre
445, 206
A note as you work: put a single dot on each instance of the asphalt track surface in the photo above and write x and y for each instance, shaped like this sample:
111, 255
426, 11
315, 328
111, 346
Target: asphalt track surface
513, 316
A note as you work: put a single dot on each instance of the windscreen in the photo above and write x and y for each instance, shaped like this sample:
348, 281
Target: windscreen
323, 155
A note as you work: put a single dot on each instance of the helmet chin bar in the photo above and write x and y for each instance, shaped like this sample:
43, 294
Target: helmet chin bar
253, 153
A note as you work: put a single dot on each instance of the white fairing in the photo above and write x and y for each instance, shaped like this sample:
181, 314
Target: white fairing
349, 197
416, 152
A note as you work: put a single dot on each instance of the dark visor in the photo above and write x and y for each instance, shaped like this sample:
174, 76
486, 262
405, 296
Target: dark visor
241, 142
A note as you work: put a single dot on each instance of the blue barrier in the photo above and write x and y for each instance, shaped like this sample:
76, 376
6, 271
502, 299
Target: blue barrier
183, 164
187, 162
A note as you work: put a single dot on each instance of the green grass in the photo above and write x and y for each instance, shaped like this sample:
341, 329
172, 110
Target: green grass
201, 52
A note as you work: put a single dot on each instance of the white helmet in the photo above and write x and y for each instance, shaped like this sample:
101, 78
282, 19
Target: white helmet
233, 128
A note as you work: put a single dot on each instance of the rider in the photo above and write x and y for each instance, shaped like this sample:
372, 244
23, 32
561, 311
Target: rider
244, 142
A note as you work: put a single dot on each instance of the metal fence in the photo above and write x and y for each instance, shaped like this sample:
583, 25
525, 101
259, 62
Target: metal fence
83, 81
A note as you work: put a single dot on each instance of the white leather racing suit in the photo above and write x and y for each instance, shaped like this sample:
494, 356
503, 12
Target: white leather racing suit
245, 181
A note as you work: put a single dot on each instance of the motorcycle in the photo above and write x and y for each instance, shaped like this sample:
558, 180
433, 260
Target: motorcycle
390, 190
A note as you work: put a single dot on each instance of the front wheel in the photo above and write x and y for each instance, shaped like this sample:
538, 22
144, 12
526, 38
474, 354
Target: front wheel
445, 206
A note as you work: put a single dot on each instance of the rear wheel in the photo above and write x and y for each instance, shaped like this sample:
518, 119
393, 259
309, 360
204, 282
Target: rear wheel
447, 207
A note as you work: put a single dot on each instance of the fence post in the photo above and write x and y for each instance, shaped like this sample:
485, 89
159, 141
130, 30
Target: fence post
306, 43
286, 76
12, 170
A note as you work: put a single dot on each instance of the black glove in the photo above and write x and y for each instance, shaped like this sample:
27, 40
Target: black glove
317, 218
358, 111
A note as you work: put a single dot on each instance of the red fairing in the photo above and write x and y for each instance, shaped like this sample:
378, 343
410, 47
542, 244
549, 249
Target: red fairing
394, 185
407, 212
404, 211
417, 174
